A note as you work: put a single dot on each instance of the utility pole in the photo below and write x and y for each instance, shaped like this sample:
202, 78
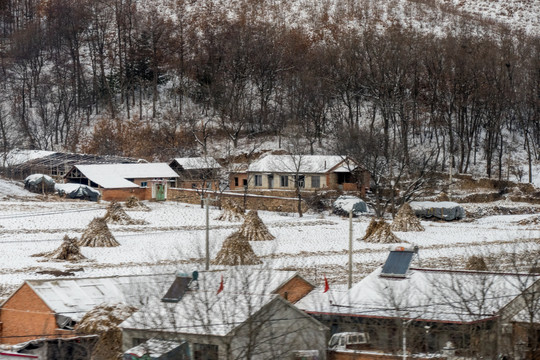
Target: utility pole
350, 247
207, 237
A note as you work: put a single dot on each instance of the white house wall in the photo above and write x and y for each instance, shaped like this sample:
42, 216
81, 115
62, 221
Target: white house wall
277, 182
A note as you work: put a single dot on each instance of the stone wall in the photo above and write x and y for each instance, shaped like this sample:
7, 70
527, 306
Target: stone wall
253, 202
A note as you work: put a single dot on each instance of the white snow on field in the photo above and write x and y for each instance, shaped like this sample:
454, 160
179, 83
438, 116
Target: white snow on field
11, 188
174, 238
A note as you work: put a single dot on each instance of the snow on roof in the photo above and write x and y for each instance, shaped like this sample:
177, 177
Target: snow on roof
154, 348
74, 297
69, 187
427, 294
198, 163
419, 205
19, 156
248, 281
199, 312
113, 176
311, 164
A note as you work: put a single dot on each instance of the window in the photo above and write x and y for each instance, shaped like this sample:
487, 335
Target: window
315, 181
144, 183
205, 352
235, 181
284, 181
244, 182
258, 180
301, 181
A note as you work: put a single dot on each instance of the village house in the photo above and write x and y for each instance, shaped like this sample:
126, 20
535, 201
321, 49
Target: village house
469, 313
196, 172
312, 172
119, 181
51, 308
231, 314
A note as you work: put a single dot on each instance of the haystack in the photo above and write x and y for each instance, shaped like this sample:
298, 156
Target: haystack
443, 196
476, 263
236, 251
68, 250
254, 229
379, 231
133, 203
116, 215
533, 220
97, 234
103, 320
406, 220
231, 212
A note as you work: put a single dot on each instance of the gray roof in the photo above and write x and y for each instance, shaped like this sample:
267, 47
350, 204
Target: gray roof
192, 163
309, 164
74, 297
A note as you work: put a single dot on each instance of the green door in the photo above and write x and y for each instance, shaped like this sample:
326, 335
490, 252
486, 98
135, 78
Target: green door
160, 192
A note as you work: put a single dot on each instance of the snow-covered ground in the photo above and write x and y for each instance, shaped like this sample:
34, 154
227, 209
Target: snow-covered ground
174, 239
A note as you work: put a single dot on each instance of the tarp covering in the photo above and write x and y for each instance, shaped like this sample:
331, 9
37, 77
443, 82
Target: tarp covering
39, 183
343, 204
78, 191
444, 210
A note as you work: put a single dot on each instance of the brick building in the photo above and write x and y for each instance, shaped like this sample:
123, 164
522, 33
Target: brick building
119, 181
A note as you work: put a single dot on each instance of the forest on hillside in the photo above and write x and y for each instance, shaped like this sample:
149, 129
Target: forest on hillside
159, 80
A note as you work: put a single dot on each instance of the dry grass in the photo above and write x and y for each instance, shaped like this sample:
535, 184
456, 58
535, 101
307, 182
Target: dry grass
103, 320
133, 203
97, 234
236, 251
533, 220
476, 263
254, 229
379, 231
406, 220
116, 215
68, 251
231, 212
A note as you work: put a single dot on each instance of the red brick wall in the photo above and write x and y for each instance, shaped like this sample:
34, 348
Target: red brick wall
25, 317
296, 289
123, 194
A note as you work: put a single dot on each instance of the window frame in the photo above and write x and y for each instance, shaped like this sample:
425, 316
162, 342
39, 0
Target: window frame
318, 177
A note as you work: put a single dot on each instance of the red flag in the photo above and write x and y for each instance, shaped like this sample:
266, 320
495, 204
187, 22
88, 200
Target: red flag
326, 286
220, 285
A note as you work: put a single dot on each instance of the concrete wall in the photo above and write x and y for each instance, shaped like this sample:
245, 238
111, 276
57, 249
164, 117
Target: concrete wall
284, 330
26, 317
273, 333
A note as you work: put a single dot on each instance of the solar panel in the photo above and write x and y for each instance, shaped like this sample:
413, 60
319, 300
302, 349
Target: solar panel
397, 263
177, 289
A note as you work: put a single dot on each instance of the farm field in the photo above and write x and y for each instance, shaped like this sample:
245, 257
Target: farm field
173, 239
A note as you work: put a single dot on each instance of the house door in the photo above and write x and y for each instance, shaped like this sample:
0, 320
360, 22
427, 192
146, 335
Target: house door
160, 192
270, 181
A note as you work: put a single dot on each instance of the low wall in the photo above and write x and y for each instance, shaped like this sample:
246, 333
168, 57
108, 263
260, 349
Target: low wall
123, 194
253, 202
